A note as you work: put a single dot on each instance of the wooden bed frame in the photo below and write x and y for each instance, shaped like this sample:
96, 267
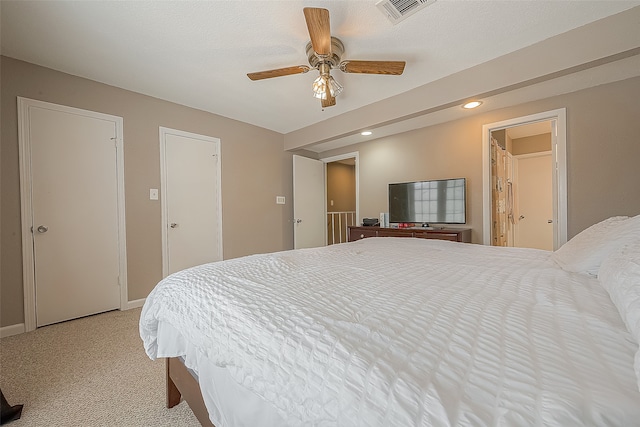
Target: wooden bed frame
181, 384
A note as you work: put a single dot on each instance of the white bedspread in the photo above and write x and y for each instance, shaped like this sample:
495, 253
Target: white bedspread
404, 332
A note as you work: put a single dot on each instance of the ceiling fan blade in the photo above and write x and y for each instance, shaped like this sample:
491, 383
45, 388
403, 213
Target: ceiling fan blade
319, 29
373, 67
329, 102
299, 69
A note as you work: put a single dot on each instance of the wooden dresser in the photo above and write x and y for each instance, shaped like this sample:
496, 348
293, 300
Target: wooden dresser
453, 234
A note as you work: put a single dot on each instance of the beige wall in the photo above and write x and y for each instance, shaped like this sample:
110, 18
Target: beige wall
603, 151
341, 187
602, 144
437, 152
531, 144
255, 169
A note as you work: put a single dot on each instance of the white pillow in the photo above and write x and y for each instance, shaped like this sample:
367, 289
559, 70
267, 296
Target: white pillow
585, 252
620, 276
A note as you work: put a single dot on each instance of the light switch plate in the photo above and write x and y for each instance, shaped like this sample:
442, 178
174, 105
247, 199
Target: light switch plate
280, 200
153, 194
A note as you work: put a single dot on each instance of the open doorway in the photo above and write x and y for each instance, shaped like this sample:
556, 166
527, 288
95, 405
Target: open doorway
341, 183
521, 186
524, 188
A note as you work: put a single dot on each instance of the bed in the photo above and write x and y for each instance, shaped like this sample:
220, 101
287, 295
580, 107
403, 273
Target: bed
400, 331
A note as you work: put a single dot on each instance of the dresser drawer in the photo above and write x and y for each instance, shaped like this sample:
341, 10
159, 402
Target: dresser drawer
440, 236
361, 233
390, 232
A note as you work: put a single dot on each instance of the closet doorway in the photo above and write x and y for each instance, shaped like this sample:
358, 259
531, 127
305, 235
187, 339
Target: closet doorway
524, 170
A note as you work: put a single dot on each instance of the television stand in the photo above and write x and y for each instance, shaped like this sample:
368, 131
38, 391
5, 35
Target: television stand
452, 234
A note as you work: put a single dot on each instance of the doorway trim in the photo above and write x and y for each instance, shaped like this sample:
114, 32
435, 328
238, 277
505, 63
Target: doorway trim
559, 174
163, 132
353, 155
26, 219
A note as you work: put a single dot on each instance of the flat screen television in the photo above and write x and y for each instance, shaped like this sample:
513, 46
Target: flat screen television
440, 201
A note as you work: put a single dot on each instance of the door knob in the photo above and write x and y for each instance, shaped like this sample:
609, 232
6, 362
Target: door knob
549, 221
298, 221
173, 225
42, 229
521, 217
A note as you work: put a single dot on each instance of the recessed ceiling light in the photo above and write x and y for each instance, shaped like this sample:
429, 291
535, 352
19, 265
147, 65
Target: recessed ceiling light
472, 104
366, 133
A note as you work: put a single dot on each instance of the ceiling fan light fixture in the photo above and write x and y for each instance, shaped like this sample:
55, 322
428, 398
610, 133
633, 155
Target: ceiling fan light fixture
320, 87
334, 87
323, 83
324, 53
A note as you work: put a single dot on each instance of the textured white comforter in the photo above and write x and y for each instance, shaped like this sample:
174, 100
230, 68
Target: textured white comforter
403, 332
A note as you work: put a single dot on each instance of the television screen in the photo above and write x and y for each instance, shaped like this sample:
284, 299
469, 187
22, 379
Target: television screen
438, 202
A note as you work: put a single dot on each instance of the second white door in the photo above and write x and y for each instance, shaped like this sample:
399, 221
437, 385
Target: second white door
309, 206
192, 218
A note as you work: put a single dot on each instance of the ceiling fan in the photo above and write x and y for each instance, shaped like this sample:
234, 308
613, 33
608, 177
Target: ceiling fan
324, 54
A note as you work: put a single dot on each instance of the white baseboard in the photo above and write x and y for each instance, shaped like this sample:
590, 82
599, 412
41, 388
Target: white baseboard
135, 303
7, 331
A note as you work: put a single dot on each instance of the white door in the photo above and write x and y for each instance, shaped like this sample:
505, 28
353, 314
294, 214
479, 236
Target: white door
192, 219
309, 206
75, 212
535, 201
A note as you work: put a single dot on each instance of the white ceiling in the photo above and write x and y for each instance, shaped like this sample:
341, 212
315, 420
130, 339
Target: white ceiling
197, 53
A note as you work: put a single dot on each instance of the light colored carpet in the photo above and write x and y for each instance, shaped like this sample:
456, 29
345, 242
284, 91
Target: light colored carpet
87, 372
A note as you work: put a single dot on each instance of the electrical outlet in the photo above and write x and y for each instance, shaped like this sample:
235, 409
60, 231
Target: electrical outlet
280, 200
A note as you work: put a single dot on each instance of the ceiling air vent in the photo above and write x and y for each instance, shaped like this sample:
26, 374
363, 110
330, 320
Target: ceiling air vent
398, 10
